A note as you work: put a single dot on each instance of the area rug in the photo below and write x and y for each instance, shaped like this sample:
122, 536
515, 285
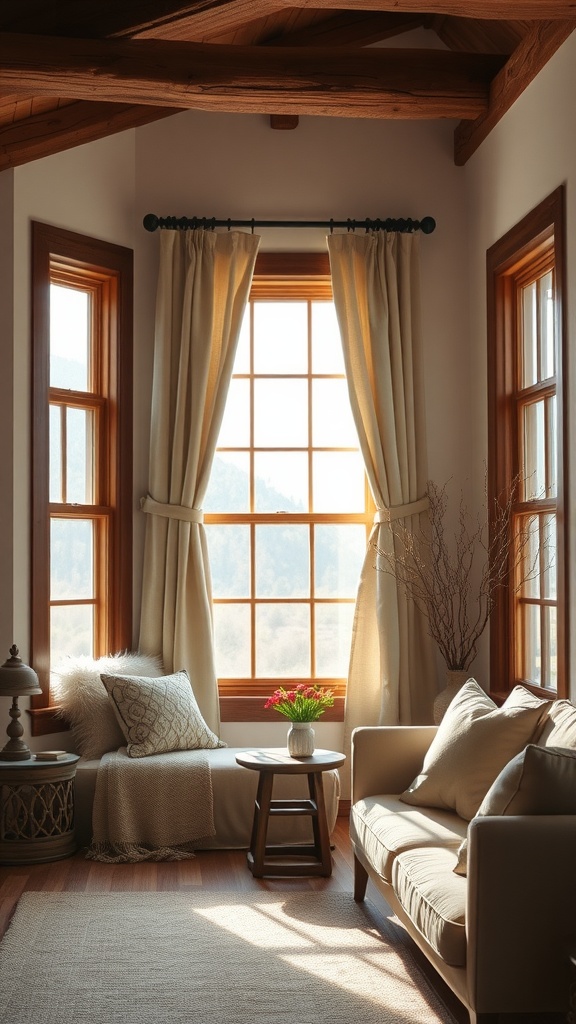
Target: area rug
206, 957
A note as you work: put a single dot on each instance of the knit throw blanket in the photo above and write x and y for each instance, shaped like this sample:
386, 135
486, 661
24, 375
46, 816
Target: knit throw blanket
151, 808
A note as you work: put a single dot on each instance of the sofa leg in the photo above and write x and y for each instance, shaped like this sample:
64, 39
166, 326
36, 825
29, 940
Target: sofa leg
360, 880
484, 1018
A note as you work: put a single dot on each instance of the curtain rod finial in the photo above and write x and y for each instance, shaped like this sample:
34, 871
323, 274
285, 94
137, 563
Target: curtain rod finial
427, 225
150, 222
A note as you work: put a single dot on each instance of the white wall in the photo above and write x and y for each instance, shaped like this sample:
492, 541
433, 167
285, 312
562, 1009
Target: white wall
530, 153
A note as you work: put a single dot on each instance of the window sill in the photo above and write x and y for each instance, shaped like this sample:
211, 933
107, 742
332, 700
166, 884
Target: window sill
232, 709
251, 709
46, 721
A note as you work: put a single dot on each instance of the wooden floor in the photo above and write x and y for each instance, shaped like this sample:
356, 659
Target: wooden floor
213, 869
216, 870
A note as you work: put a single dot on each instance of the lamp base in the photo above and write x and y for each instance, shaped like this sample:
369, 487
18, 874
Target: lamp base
22, 754
16, 749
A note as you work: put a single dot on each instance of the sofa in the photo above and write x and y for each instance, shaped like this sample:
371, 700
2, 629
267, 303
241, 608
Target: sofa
468, 830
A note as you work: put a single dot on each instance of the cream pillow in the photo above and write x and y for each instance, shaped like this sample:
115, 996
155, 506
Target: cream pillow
475, 739
84, 703
560, 726
539, 780
158, 715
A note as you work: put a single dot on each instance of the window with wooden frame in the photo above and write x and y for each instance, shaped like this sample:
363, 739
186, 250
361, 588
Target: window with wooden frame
288, 509
81, 452
527, 382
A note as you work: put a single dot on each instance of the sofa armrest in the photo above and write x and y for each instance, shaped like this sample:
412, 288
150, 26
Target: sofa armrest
386, 758
521, 913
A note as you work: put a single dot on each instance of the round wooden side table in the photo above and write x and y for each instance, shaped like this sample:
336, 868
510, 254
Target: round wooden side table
37, 810
284, 859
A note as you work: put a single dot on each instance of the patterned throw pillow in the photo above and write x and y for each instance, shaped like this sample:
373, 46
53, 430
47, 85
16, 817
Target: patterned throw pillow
84, 703
158, 715
475, 739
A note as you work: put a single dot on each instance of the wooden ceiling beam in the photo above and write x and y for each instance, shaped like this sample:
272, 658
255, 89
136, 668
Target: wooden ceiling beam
53, 132
338, 82
531, 10
351, 28
161, 19
530, 56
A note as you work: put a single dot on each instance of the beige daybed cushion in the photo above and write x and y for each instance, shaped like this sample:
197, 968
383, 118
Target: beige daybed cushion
234, 790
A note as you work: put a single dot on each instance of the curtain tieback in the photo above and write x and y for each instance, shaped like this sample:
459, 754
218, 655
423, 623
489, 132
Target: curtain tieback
158, 508
412, 508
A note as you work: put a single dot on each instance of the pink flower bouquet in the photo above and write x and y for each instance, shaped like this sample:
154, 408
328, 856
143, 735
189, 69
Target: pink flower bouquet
302, 704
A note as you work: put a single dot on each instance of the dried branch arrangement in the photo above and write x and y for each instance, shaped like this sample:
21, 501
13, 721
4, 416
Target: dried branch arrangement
438, 569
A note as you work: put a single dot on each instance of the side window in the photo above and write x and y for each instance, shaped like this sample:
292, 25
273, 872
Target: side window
81, 449
526, 379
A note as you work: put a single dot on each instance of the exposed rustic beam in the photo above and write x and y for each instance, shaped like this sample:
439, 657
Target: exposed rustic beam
351, 28
204, 19
337, 82
163, 19
57, 130
530, 56
531, 10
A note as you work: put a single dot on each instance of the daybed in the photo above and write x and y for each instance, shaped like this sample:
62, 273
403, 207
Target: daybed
152, 775
234, 793
497, 784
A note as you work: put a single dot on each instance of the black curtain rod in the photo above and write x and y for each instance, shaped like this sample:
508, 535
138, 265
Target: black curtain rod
401, 224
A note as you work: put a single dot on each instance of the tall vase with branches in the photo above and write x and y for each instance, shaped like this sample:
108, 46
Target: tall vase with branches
454, 575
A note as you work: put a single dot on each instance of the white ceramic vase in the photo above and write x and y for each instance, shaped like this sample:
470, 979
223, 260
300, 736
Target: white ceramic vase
300, 739
455, 679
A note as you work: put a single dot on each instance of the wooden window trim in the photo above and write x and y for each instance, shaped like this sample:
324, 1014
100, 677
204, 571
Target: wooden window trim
505, 259
59, 253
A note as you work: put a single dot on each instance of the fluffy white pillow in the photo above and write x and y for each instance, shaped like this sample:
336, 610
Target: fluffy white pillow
539, 780
158, 715
85, 704
475, 739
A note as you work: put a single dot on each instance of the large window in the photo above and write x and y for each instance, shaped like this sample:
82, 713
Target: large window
81, 450
287, 509
525, 285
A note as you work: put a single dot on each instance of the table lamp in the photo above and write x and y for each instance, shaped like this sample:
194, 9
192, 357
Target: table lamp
16, 680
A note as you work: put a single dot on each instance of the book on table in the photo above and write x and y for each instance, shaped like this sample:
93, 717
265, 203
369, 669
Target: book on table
51, 755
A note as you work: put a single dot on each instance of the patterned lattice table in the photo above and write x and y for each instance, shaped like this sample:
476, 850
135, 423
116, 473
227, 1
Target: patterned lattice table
37, 810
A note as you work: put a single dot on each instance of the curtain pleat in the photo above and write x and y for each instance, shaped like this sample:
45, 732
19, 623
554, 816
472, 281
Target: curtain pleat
203, 286
375, 279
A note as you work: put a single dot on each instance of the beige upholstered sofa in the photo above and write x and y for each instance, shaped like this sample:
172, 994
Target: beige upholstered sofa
500, 936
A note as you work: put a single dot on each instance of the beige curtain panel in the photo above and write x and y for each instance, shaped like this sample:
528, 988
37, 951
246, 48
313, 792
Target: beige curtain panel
375, 278
204, 283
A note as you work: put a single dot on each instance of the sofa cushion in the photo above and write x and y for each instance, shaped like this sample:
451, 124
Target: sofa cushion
560, 727
384, 827
539, 780
84, 703
475, 739
159, 715
434, 898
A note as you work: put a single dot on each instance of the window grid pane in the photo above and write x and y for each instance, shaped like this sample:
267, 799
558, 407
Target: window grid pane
303, 576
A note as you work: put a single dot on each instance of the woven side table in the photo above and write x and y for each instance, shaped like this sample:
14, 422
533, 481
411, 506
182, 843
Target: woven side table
37, 810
